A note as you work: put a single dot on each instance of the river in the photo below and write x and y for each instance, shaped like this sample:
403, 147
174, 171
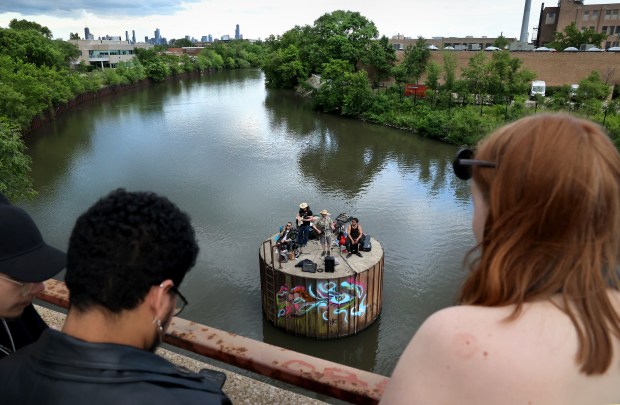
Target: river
240, 158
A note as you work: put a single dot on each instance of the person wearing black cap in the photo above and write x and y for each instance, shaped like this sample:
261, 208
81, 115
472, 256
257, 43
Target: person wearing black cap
126, 259
25, 262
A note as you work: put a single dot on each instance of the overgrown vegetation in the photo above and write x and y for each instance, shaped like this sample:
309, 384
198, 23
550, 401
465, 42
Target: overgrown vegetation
343, 48
38, 74
491, 90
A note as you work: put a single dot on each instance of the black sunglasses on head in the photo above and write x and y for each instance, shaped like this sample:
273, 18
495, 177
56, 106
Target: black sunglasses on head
463, 162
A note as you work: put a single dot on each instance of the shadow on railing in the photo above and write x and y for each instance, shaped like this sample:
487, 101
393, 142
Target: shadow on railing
318, 375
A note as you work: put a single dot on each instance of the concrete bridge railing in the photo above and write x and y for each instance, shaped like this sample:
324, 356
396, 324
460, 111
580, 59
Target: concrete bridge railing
318, 375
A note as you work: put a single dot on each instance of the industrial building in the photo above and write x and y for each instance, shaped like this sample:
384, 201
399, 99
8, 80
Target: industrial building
602, 18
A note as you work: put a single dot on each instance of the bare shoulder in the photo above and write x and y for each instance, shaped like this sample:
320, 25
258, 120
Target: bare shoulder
439, 360
466, 355
471, 355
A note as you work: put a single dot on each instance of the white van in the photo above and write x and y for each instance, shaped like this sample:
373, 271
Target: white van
573, 91
538, 87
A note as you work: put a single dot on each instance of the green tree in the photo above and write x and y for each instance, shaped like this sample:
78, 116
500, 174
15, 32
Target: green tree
433, 72
573, 36
380, 58
414, 62
501, 42
157, 70
30, 46
23, 25
74, 36
146, 56
69, 52
449, 70
592, 88
15, 182
284, 68
180, 43
476, 76
214, 60
344, 35
343, 90
506, 79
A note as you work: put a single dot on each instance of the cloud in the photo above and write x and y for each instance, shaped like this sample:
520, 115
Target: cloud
104, 8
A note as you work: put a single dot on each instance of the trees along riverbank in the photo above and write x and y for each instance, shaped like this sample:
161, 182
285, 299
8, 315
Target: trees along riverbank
344, 49
38, 75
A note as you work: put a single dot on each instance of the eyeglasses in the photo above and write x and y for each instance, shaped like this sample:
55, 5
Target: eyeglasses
463, 162
181, 301
25, 287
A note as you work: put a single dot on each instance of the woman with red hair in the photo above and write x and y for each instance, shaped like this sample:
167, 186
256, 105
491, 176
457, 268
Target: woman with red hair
539, 320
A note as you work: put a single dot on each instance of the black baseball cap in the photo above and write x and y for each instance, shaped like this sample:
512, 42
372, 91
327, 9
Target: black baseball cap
24, 256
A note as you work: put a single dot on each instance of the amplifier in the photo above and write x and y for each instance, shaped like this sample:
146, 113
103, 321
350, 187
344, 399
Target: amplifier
330, 263
309, 267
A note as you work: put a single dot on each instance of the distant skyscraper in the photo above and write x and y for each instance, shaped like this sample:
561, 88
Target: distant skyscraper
127, 36
237, 34
146, 39
133, 36
157, 36
87, 34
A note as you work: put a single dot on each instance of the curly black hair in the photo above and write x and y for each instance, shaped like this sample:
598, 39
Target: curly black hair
123, 245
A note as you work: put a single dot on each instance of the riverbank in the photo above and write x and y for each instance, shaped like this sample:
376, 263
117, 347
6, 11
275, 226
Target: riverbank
240, 389
52, 113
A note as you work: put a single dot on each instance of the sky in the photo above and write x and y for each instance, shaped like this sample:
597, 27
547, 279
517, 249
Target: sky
258, 19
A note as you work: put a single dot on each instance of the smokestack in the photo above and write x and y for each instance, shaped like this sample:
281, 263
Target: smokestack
526, 21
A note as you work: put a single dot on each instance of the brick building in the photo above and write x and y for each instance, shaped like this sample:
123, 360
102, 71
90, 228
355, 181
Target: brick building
555, 68
604, 18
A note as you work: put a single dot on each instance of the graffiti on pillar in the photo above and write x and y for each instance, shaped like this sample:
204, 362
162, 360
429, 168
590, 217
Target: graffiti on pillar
346, 300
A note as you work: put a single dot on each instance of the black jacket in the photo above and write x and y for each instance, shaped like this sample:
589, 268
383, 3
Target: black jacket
59, 369
21, 331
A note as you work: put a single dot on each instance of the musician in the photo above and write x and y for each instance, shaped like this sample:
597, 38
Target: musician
304, 219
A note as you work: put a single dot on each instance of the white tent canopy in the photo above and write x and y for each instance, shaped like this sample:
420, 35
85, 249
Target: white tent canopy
544, 49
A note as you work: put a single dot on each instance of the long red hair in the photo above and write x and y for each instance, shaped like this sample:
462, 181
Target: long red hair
553, 226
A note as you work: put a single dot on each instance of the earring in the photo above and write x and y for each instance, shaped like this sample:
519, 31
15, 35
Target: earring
158, 323
160, 330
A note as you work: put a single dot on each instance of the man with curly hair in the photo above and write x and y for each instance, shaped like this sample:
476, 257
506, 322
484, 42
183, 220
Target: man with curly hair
127, 256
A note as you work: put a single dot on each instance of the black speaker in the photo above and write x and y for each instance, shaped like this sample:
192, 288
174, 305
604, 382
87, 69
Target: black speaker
330, 263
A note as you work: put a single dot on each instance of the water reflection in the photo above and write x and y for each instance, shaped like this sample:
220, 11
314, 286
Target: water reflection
239, 159
360, 350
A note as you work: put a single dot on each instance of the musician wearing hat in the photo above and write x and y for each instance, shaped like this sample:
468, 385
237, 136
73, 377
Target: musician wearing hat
304, 219
325, 227
25, 262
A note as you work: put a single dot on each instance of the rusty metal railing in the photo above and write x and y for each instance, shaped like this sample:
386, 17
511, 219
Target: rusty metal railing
318, 375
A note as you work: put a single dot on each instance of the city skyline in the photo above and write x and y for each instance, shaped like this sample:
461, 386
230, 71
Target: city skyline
196, 18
